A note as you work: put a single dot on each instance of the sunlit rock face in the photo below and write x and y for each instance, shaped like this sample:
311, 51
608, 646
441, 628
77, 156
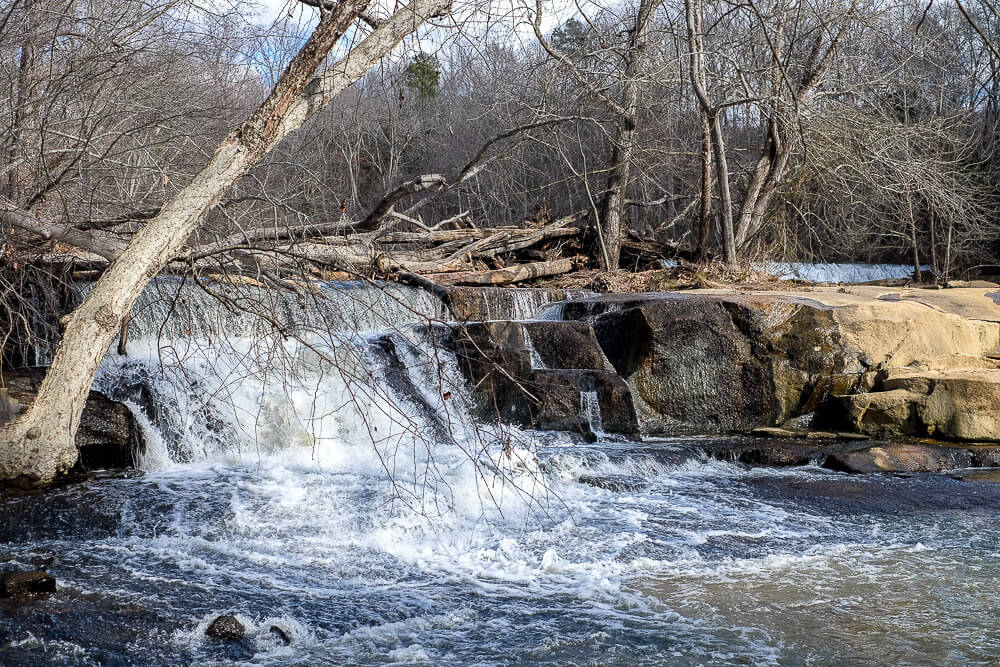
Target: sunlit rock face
957, 404
715, 360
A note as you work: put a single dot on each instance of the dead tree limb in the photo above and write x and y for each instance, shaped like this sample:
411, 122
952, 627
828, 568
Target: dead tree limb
103, 244
419, 184
507, 276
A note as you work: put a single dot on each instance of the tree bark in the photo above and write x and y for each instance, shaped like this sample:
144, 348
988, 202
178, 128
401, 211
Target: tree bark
714, 145
772, 165
705, 208
506, 276
39, 445
613, 213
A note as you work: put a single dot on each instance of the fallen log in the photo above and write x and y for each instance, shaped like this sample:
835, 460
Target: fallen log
513, 274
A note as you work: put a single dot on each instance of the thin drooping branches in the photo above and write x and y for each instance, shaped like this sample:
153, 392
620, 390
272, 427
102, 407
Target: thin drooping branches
39, 444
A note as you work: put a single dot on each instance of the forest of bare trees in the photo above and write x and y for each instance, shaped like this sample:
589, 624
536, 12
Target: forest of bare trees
485, 145
833, 130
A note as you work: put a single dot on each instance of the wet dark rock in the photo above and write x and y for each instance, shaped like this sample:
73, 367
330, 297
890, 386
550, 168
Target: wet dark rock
782, 432
109, 436
777, 451
566, 345
226, 627
880, 494
721, 363
901, 458
851, 455
26, 585
980, 475
538, 373
616, 483
280, 634
774, 432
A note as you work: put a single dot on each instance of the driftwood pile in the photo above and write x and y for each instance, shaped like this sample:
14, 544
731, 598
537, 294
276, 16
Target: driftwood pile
460, 256
463, 256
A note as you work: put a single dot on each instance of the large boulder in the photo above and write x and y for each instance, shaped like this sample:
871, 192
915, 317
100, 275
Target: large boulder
718, 360
108, 437
544, 374
956, 404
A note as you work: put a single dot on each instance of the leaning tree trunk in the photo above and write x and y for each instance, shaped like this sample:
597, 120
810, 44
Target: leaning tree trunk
40, 444
613, 214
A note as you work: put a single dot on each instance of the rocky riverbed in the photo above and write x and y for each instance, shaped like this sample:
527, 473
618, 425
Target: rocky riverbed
814, 365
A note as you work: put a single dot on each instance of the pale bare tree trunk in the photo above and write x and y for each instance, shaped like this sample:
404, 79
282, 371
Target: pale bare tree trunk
763, 185
39, 445
772, 165
705, 208
611, 228
613, 224
913, 237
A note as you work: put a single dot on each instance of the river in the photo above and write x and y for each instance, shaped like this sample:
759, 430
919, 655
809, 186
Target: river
333, 484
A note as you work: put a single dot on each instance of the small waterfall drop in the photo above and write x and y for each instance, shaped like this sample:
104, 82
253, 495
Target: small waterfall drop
590, 411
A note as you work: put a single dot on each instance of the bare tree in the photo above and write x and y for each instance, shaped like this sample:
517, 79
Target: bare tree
611, 228
39, 444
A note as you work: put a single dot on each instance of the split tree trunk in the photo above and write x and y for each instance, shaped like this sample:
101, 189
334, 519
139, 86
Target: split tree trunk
40, 444
613, 214
713, 142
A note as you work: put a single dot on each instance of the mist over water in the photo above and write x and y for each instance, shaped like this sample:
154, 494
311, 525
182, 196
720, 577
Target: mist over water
332, 482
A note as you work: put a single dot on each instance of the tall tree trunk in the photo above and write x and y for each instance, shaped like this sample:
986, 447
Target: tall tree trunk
772, 165
705, 209
764, 182
40, 445
22, 117
716, 144
613, 223
725, 193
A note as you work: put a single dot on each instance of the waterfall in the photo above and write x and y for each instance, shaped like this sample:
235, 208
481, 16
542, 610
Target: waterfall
536, 359
346, 375
590, 411
518, 304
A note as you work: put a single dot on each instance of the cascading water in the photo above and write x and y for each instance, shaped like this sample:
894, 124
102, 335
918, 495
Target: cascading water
590, 411
315, 468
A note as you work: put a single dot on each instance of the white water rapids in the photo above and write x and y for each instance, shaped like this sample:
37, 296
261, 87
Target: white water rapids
329, 479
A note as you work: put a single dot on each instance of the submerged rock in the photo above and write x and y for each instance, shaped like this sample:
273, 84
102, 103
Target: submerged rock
226, 627
26, 585
981, 476
616, 483
780, 451
900, 457
280, 634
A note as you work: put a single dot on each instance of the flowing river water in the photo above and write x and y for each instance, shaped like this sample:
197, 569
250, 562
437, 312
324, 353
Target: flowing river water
331, 482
